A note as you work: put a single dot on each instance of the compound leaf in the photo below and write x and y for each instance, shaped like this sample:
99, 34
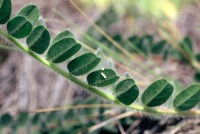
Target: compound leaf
102, 78
157, 93
19, 27
188, 98
83, 64
39, 39
127, 91
63, 50
5, 10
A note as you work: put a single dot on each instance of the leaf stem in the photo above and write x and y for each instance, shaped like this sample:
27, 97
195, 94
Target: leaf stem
157, 111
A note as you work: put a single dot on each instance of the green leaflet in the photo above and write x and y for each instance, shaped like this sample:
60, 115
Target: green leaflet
19, 27
145, 44
83, 64
5, 120
162, 47
35, 119
197, 76
22, 119
102, 78
31, 13
124, 43
52, 117
5, 10
127, 91
188, 98
157, 93
135, 40
119, 39
63, 50
186, 44
39, 39
141, 44
62, 35
187, 47
198, 57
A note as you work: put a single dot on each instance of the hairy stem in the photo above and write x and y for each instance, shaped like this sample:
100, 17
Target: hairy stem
157, 111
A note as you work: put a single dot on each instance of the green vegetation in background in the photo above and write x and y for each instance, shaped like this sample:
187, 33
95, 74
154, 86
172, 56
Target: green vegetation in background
154, 8
55, 122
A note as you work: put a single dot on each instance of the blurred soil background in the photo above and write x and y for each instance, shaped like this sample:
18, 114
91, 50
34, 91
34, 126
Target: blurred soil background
25, 84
